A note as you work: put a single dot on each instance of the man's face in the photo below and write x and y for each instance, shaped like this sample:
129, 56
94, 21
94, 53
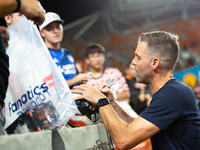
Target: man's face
11, 18
96, 60
52, 33
142, 64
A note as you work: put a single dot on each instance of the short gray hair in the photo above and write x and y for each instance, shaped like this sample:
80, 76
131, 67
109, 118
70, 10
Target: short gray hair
163, 45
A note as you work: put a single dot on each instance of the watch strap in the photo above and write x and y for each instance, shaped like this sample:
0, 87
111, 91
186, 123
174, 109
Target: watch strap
18, 5
102, 102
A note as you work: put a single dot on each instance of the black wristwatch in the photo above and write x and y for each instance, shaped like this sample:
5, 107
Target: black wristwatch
102, 102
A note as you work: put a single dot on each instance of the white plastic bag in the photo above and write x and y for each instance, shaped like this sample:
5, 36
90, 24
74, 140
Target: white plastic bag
34, 77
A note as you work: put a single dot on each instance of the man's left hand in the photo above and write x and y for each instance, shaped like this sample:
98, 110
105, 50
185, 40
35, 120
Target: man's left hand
88, 93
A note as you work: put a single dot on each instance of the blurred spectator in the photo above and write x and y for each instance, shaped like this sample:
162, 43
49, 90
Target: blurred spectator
11, 18
187, 59
140, 93
79, 66
95, 58
52, 32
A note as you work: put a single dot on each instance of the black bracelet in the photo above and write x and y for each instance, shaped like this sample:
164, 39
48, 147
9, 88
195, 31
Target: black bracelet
18, 5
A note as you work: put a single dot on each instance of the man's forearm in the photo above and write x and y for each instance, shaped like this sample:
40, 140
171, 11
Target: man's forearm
7, 6
120, 132
121, 113
112, 123
32, 9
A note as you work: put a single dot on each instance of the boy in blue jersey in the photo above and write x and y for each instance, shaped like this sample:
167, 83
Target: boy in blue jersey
52, 32
172, 119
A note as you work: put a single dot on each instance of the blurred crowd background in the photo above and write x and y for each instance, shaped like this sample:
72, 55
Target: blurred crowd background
118, 24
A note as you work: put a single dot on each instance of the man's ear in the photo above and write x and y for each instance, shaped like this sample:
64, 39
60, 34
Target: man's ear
8, 20
155, 62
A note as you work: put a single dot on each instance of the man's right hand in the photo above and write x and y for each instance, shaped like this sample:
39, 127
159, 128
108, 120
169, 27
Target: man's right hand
33, 10
106, 91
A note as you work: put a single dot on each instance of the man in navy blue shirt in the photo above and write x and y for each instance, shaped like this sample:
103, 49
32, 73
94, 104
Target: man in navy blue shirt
172, 120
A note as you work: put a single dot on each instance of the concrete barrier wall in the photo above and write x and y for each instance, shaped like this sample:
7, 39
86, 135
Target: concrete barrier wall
82, 138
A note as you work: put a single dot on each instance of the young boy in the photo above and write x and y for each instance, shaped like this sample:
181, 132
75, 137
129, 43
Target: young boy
95, 58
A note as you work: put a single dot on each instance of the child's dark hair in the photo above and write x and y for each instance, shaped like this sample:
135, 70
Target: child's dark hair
94, 48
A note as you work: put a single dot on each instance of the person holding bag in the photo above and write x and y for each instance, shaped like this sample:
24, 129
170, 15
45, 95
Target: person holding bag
33, 10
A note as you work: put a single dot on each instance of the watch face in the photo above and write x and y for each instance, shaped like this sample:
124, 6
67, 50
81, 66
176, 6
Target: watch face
103, 101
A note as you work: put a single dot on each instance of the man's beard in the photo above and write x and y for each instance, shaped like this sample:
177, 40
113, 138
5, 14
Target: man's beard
144, 75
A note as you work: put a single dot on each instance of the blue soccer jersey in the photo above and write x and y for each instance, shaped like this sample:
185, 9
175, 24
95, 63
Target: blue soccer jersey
65, 62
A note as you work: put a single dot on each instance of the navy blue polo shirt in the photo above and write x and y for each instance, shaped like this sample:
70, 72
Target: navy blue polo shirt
173, 108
